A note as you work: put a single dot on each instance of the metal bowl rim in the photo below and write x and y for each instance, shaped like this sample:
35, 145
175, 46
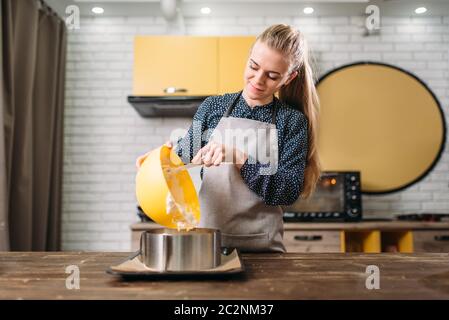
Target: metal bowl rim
174, 232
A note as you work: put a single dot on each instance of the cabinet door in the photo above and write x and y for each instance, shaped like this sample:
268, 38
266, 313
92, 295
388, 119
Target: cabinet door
431, 241
233, 55
312, 241
184, 63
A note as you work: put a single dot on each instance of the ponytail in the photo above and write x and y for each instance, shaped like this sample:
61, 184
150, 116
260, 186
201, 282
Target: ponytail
300, 93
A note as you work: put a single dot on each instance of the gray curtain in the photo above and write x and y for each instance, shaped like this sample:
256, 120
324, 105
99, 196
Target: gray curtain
4, 236
33, 70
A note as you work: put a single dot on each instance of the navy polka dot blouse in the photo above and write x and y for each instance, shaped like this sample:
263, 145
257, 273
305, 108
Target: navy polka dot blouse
281, 188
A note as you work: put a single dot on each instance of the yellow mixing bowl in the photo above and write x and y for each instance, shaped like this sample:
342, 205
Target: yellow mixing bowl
154, 184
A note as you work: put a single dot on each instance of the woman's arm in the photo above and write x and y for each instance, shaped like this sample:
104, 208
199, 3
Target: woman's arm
192, 142
283, 187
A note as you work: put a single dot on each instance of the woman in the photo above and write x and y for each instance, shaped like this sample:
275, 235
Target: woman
237, 196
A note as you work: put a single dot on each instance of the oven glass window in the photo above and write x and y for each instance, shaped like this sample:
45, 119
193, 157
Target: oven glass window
328, 196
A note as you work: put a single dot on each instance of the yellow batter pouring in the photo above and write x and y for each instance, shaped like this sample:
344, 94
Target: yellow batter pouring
166, 192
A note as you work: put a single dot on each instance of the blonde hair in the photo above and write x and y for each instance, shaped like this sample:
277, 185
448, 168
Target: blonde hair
300, 93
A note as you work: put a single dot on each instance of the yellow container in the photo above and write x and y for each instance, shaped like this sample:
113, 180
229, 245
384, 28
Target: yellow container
155, 186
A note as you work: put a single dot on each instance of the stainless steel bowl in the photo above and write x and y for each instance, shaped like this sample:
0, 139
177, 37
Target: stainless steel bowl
171, 250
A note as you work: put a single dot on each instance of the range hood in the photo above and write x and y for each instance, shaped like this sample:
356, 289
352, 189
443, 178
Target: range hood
166, 106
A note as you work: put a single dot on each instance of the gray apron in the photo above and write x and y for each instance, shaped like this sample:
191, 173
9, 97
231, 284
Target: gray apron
226, 202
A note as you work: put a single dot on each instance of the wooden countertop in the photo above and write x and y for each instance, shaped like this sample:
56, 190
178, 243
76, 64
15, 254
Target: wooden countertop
267, 276
349, 226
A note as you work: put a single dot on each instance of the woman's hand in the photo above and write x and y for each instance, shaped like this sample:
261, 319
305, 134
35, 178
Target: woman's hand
213, 154
142, 158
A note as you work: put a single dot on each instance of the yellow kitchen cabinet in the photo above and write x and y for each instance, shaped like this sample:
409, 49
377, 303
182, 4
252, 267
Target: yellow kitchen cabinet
187, 64
233, 53
362, 241
397, 241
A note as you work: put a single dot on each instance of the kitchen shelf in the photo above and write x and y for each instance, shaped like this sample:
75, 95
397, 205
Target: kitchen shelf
399, 241
362, 241
366, 237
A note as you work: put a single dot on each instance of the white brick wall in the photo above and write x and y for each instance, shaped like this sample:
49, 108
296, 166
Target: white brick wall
104, 135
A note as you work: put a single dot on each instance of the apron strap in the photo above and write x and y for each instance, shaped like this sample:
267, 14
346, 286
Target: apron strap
234, 102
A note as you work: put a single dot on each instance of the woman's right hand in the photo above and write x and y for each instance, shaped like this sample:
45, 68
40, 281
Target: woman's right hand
142, 158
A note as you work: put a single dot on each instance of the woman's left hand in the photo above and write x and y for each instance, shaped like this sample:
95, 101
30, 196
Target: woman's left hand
213, 154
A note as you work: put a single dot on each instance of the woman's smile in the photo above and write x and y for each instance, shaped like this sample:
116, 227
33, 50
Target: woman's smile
254, 88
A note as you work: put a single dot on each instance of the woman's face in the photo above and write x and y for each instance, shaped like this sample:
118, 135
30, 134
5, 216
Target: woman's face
266, 72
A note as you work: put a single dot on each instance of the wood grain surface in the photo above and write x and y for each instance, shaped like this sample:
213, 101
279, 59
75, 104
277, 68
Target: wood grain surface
267, 276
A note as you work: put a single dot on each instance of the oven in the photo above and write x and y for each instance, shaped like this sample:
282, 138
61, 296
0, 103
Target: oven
337, 198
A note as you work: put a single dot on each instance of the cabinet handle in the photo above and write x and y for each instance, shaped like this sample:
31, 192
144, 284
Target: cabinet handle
174, 90
441, 238
308, 238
